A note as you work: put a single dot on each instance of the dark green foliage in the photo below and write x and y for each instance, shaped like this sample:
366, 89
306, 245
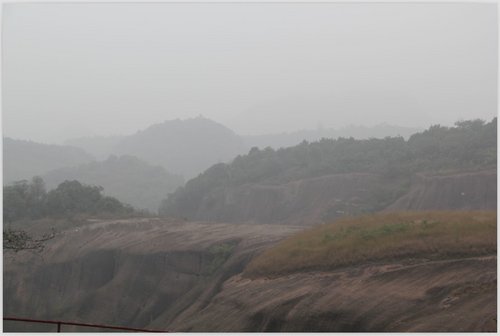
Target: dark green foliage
29, 200
24, 199
468, 145
71, 197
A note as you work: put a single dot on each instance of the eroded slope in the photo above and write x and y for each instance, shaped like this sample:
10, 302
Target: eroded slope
451, 295
421, 271
185, 276
130, 272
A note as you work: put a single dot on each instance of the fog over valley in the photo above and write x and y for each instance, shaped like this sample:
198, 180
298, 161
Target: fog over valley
250, 167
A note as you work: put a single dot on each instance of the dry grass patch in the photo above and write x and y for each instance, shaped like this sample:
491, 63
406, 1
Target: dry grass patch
382, 237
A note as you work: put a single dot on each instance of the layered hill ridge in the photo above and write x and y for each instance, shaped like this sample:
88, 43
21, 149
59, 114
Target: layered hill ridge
357, 132
127, 178
185, 147
99, 146
24, 159
440, 168
259, 272
201, 132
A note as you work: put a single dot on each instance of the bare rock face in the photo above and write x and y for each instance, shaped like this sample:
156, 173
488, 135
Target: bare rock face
185, 276
455, 295
302, 202
130, 272
462, 191
323, 199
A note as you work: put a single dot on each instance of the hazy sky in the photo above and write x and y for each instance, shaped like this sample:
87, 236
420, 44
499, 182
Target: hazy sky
98, 69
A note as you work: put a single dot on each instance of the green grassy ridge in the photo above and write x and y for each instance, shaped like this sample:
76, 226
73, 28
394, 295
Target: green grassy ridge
381, 237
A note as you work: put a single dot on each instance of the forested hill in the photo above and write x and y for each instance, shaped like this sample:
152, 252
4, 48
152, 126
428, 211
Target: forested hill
185, 147
127, 178
189, 147
357, 132
25, 159
469, 145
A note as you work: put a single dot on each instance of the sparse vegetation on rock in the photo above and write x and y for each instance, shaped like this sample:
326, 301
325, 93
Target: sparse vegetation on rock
381, 238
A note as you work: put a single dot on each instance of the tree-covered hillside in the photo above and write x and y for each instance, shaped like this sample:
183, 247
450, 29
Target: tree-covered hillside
30, 200
126, 177
188, 147
468, 145
184, 147
357, 132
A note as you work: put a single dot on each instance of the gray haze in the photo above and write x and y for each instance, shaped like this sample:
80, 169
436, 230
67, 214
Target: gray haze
74, 70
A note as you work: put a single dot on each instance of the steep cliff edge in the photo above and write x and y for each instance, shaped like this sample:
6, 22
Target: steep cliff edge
130, 272
301, 202
452, 295
460, 191
406, 271
323, 199
185, 276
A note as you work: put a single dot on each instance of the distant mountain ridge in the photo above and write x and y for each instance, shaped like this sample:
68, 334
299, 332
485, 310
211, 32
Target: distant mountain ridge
24, 159
99, 146
279, 140
127, 178
190, 146
185, 147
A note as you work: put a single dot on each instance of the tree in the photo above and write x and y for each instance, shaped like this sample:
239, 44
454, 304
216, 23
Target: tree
14, 203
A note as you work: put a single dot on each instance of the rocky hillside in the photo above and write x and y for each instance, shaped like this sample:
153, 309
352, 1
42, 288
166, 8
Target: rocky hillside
451, 295
301, 202
323, 199
440, 168
183, 276
130, 272
465, 191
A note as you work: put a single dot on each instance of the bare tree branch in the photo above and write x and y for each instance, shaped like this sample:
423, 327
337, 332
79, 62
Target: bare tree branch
18, 240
